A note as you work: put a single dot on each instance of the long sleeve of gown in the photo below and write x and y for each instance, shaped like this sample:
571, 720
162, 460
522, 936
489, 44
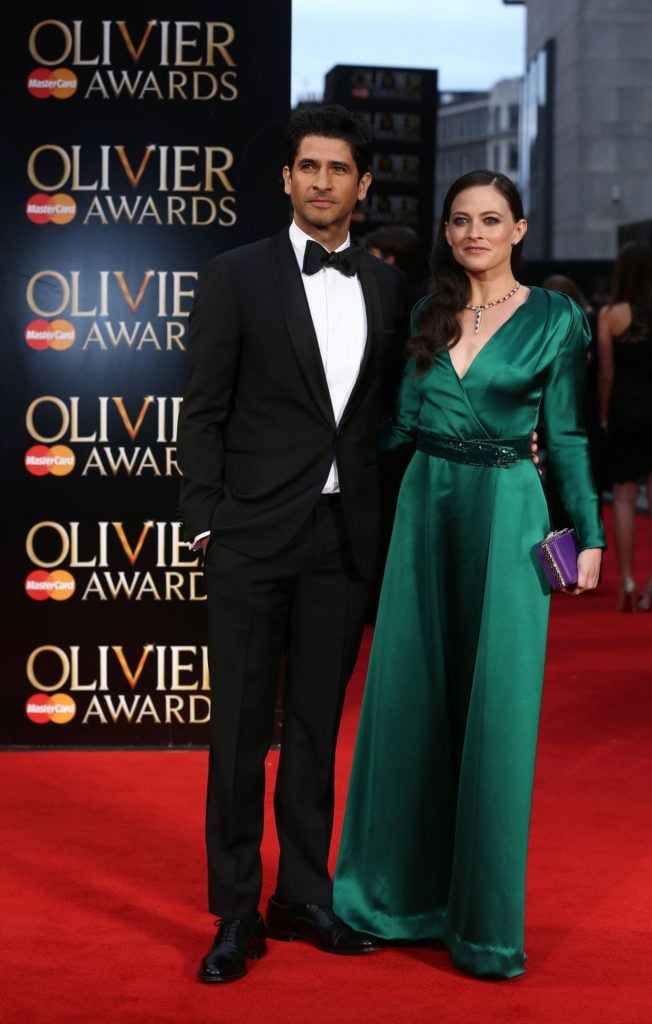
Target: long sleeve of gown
567, 443
401, 426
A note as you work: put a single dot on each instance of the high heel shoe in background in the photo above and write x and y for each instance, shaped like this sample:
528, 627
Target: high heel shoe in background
627, 601
645, 600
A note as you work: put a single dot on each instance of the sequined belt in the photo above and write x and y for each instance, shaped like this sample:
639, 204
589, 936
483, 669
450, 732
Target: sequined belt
499, 453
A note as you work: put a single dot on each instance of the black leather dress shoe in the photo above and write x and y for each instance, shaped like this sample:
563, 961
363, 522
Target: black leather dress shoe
316, 923
237, 938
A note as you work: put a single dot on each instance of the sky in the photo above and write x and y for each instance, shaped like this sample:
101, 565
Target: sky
472, 43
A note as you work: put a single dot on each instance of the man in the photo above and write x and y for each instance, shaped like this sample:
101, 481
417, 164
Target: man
289, 338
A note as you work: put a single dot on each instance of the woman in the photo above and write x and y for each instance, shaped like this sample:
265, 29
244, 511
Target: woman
625, 357
435, 836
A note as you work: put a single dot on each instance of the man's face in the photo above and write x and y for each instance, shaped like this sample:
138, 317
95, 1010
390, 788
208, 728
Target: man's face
324, 186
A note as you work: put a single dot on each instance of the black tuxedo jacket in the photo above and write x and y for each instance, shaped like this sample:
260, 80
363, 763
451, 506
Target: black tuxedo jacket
257, 435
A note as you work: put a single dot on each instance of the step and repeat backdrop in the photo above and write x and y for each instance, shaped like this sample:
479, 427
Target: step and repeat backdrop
139, 147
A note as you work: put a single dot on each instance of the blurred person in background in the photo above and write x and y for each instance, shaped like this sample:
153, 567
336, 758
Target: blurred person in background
566, 285
625, 376
399, 246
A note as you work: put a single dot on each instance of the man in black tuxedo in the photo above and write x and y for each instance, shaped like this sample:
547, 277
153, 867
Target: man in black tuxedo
291, 339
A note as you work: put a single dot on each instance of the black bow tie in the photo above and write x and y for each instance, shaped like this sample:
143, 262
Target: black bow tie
316, 258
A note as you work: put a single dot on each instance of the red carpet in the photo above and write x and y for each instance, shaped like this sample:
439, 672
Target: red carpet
102, 875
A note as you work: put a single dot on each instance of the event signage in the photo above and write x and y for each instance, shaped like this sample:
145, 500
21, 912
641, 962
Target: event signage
142, 147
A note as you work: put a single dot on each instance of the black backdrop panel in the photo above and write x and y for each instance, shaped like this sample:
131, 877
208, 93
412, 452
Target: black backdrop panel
140, 147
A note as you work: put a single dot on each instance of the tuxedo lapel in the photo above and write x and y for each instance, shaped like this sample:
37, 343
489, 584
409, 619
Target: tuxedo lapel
299, 323
374, 330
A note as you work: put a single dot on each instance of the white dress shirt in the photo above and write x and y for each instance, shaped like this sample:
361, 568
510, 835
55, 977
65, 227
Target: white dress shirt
339, 317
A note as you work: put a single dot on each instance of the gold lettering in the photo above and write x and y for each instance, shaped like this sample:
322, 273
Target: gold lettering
229, 89
219, 171
65, 163
133, 303
194, 701
39, 279
64, 674
132, 553
67, 43
132, 428
220, 45
227, 208
29, 419
134, 53
63, 550
134, 178
183, 44
132, 677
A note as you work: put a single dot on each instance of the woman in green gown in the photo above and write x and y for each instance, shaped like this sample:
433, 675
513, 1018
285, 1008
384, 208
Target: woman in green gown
435, 836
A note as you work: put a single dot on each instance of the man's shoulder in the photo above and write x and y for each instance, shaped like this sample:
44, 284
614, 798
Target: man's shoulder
384, 271
245, 256
390, 280
242, 253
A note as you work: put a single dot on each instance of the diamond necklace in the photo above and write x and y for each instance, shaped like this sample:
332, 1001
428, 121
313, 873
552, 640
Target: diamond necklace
479, 310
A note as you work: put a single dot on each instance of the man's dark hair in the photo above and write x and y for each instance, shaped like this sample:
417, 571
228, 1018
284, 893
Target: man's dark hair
331, 122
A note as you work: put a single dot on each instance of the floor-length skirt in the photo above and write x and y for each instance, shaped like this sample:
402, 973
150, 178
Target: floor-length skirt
436, 829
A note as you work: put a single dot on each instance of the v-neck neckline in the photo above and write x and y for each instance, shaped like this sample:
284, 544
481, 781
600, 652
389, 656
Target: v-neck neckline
487, 342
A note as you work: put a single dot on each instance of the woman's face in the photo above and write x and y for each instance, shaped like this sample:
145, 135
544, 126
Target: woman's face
481, 230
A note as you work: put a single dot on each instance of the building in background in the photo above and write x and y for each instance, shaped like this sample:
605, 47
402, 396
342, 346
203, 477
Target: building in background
586, 140
462, 126
477, 129
400, 105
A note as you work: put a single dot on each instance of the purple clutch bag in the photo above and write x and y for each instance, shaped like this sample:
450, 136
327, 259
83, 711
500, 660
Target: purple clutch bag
558, 555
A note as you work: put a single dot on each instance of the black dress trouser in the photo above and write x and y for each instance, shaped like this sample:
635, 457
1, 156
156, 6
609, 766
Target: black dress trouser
309, 596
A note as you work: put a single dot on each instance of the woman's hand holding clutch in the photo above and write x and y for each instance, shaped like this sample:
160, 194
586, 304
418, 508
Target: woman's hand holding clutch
588, 570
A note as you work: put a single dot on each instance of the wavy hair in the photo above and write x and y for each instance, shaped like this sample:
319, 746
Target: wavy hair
450, 290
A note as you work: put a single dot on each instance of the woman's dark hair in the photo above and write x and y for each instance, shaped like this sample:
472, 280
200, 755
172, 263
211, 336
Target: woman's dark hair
331, 122
450, 289
632, 276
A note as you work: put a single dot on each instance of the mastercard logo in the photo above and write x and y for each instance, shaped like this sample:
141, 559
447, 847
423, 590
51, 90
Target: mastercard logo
43, 83
58, 460
43, 708
59, 585
58, 334
57, 209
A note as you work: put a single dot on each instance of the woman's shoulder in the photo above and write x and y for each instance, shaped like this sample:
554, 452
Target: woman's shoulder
617, 317
564, 321
417, 311
564, 315
559, 302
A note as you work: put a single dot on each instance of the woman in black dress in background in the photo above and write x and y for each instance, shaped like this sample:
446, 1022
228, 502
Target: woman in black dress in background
625, 355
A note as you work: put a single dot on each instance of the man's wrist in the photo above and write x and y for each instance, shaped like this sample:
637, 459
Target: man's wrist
196, 544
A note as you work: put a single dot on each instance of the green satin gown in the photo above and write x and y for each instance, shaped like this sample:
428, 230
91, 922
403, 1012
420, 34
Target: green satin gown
435, 836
